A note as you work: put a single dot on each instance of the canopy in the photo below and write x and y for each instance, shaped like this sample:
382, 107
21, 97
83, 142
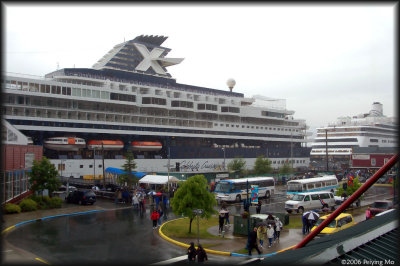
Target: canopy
118, 171
158, 179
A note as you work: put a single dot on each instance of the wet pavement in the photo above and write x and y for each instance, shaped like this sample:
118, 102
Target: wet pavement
120, 234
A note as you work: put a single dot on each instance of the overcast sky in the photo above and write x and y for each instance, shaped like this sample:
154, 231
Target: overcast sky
325, 60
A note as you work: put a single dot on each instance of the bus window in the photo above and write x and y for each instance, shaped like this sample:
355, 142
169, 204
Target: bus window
310, 186
233, 187
222, 187
305, 187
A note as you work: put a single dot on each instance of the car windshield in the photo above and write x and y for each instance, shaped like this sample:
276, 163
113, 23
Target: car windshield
222, 187
331, 225
298, 197
380, 205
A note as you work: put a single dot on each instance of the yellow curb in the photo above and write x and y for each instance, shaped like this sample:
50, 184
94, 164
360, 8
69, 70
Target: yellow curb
282, 250
42, 261
186, 245
7, 229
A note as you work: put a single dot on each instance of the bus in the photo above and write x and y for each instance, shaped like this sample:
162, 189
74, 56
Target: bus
236, 189
322, 183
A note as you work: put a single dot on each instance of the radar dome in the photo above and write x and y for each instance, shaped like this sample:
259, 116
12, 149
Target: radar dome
231, 83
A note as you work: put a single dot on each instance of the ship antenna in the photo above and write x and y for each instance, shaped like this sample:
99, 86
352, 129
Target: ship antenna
58, 65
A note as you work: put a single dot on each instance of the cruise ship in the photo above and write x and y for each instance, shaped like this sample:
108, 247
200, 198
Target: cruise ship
371, 129
129, 101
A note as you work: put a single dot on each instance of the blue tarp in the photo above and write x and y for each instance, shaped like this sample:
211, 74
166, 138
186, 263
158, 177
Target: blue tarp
118, 171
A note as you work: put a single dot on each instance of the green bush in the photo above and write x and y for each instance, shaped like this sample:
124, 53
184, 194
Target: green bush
28, 205
55, 202
12, 208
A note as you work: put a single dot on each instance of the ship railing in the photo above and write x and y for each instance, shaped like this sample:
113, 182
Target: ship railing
20, 75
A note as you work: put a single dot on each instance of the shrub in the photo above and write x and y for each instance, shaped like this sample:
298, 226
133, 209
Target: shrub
28, 205
43, 202
55, 202
12, 208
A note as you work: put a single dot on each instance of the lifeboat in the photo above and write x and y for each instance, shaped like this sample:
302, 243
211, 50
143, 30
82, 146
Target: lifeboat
105, 144
65, 143
146, 145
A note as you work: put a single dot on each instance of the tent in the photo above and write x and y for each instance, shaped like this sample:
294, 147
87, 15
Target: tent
158, 179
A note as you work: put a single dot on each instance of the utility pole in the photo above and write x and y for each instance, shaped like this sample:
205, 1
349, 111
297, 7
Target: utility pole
326, 149
104, 175
169, 155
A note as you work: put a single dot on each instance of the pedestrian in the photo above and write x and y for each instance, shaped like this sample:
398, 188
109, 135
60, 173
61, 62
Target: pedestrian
135, 201
227, 217
258, 208
141, 202
191, 252
253, 241
368, 213
157, 201
278, 228
165, 205
154, 217
304, 220
270, 234
160, 214
119, 195
261, 231
201, 254
221, 220
116, 196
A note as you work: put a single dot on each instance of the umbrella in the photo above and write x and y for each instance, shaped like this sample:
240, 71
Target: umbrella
310, 215
151, 193
263, 223
158, 194
223, 211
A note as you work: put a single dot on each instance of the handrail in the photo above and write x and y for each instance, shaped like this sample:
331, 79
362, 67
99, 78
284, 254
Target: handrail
350, 200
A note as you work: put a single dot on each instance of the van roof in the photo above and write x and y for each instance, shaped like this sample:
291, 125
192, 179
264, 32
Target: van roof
313, 192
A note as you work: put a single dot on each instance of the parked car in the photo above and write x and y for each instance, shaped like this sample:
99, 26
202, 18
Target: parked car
82, 197
341, 222
381, 206
64, 188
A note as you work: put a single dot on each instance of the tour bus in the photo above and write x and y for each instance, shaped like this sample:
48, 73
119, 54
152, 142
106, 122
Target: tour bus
314, 184
236, 189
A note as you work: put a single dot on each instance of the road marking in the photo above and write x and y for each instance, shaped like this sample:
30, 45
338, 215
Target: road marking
248, 261
173, 260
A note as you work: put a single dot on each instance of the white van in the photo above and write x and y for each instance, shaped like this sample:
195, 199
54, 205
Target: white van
309, 201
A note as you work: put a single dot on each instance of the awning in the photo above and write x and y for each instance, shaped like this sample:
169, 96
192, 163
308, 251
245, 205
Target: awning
118, 171
158, 179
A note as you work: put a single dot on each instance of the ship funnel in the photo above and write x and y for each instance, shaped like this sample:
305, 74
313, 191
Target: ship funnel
377, 109
231, 83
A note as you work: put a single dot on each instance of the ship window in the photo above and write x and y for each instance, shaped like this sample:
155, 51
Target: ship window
53, 89
58, 89
81, 166
89, 93
68, 91
84, 92
42, 88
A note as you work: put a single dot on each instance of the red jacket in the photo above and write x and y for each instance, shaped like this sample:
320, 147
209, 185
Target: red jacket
154, 216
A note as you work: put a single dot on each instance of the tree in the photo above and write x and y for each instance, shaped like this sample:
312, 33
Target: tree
262, 166
128, 167
237, 165
193, 194
350, 189
43, 176
286, 169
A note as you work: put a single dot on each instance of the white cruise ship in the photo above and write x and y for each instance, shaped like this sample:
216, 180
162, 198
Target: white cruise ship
128, 100
372, 129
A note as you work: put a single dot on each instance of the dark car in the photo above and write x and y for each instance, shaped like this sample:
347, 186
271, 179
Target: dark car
381, 206
81, 197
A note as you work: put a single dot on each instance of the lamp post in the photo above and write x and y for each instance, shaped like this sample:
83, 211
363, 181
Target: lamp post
198, 212
94, 163
248, 210
224, 157
168, 167
326, 149
104, 174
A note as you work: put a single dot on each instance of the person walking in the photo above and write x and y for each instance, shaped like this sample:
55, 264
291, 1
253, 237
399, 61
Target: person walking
116, 196
368, 213
201, 254
135, 201
160, 214
253, 241
154, 217
258, 208
221, 220
270, 234
278, 228
261, 231
304, 220
191, 252
141, 202
227, 217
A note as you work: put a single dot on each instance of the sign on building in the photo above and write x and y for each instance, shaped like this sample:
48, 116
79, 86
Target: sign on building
29, 157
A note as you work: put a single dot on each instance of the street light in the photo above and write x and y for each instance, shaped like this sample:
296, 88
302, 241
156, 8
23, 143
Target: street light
198, 212
224, 157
